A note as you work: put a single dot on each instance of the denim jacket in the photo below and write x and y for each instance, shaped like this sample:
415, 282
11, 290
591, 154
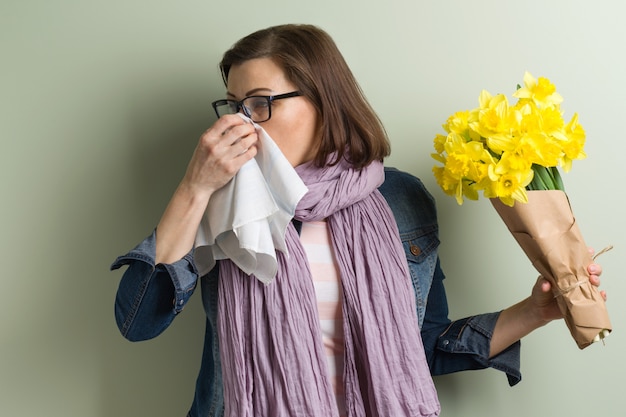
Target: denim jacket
150, 296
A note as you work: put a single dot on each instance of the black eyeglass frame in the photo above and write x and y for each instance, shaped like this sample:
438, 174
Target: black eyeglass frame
239, 104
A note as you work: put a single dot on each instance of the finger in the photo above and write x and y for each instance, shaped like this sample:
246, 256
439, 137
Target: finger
231, 134
244, 144
248, 154
225, 124
212, 137
543, 284
234, 134
594, 269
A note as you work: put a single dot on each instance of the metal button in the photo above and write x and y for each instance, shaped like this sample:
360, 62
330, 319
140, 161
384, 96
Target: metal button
415, 250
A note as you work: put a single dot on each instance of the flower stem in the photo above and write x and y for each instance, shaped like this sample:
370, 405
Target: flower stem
545, 179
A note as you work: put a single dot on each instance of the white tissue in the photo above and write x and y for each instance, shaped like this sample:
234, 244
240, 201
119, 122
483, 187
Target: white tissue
246, 220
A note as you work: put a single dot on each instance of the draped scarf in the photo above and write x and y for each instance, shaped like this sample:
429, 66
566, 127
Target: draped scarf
273, 359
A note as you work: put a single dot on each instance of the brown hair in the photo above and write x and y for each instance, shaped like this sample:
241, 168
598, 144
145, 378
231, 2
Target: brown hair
312, 61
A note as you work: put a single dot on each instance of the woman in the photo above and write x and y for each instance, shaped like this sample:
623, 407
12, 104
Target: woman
332, 336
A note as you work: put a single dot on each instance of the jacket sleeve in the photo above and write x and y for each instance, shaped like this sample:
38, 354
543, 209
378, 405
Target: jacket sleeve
150, 296
464, 344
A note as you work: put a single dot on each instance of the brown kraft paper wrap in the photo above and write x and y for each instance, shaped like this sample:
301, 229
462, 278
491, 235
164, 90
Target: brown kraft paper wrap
545, 228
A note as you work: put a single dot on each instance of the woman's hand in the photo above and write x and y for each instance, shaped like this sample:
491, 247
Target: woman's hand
543, 299
221, 151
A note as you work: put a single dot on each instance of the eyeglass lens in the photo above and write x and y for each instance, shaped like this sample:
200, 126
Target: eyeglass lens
256, 108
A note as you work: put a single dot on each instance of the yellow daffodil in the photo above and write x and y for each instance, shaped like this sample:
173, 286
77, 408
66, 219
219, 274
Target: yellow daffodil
541, 91
502, 150
515, 161
493, 115
458, 122
439, 143
509, 185
573, 147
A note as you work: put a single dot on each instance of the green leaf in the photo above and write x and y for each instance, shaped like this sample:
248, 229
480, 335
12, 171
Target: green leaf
546, 179
542, 180
558, 181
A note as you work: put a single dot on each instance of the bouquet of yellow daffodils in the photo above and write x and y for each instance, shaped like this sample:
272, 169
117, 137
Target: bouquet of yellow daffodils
511, 154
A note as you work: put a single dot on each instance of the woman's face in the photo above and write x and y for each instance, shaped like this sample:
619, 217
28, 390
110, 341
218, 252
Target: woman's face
293, 125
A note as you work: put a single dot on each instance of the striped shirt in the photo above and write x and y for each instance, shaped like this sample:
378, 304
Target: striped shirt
315, 238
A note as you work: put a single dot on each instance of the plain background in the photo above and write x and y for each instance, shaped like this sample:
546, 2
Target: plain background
101, 105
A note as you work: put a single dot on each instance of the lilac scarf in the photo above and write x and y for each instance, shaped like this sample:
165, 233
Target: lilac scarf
273, 360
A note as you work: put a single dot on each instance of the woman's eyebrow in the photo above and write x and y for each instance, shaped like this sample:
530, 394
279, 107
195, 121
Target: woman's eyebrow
251, 92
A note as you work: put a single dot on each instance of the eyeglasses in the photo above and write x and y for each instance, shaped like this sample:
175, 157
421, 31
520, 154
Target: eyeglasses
257, 108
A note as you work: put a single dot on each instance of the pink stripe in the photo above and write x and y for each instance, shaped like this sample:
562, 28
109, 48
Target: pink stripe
334, 349
324, 272
329, 310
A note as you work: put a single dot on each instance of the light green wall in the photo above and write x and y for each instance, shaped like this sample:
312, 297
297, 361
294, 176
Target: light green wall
101, 104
